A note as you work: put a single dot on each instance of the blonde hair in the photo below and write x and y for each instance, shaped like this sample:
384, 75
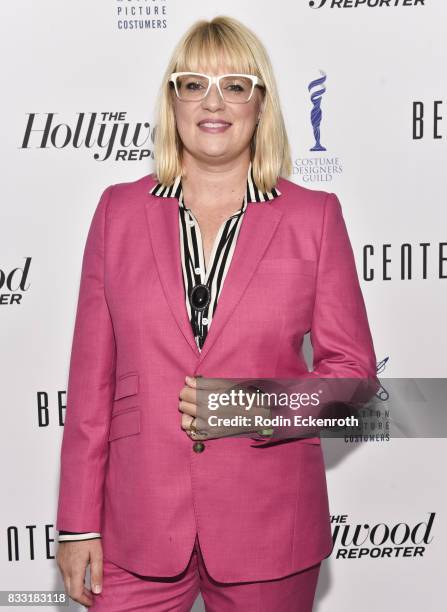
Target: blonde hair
205, 42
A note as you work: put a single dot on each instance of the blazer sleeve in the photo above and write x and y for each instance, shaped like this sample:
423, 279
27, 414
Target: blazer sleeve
84, 448
340, 334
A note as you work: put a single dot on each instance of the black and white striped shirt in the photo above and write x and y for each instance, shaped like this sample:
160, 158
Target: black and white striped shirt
193, 266
191, 248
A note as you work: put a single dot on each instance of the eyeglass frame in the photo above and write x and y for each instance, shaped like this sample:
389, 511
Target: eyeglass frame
255, 80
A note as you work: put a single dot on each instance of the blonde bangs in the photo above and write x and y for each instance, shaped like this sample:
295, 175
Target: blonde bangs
207, 47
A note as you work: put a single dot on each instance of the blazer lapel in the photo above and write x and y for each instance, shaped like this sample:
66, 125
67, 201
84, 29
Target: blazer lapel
162, 220
258, 227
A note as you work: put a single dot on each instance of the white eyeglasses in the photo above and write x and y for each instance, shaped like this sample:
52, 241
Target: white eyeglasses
234, 88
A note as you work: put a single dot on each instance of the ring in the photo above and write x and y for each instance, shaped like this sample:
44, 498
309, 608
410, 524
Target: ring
193, 431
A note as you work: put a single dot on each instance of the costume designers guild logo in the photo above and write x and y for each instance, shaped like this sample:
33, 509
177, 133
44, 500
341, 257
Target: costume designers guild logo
108, 134
317, 89
321, 168
375, 422
141, 14
350, 4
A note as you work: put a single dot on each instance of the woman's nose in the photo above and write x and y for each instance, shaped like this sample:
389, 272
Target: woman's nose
213, 99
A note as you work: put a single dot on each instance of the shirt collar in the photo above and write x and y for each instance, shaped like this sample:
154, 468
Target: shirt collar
252, 193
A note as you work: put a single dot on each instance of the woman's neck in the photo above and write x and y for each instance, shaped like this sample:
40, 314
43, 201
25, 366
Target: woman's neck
209, 185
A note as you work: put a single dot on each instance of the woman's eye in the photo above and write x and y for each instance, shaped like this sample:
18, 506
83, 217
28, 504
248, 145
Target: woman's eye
238, 85
193, 86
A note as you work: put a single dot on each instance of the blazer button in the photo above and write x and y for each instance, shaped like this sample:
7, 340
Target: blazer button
198, 447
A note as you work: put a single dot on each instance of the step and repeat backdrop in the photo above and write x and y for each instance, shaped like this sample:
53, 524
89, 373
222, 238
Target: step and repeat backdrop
79, 85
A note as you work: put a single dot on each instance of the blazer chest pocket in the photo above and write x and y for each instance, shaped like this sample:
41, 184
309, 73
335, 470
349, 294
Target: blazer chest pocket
126, 423
126, 385
288, 265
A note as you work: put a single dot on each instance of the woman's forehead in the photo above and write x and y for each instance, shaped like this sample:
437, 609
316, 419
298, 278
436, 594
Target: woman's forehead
216, 70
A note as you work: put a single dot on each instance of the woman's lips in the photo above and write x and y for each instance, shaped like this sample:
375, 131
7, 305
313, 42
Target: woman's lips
214, 127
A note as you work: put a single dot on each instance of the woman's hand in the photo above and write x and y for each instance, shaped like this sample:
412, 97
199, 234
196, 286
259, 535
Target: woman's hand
195, 410
72, 559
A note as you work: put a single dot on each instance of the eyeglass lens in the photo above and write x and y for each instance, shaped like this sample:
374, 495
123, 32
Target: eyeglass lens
194, 87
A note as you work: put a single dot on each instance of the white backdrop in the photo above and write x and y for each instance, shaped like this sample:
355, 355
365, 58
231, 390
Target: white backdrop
62, 60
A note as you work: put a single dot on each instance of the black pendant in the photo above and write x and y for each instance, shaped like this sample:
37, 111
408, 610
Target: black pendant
200, 297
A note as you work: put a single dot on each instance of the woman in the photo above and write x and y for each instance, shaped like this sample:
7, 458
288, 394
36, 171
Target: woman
214, 266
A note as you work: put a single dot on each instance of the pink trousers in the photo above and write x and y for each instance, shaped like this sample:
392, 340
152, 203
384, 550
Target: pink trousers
124, 591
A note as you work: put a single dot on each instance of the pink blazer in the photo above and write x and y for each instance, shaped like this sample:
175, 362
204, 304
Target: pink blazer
128, 470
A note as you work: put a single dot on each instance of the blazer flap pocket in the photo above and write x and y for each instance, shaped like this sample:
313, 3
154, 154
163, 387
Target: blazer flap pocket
125, 424
290, 265
127, 384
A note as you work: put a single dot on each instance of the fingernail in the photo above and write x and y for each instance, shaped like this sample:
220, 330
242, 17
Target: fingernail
188, 379
96, 588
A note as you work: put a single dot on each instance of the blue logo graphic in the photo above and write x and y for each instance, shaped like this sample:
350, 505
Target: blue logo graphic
315, 115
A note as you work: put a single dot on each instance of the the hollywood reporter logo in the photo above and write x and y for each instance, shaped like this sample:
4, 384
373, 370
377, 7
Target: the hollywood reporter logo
109, 132
14, 283
350, 4
382, 540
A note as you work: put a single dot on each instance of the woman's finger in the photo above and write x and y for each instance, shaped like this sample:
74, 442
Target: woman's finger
187, 408
188, 394
186, 421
